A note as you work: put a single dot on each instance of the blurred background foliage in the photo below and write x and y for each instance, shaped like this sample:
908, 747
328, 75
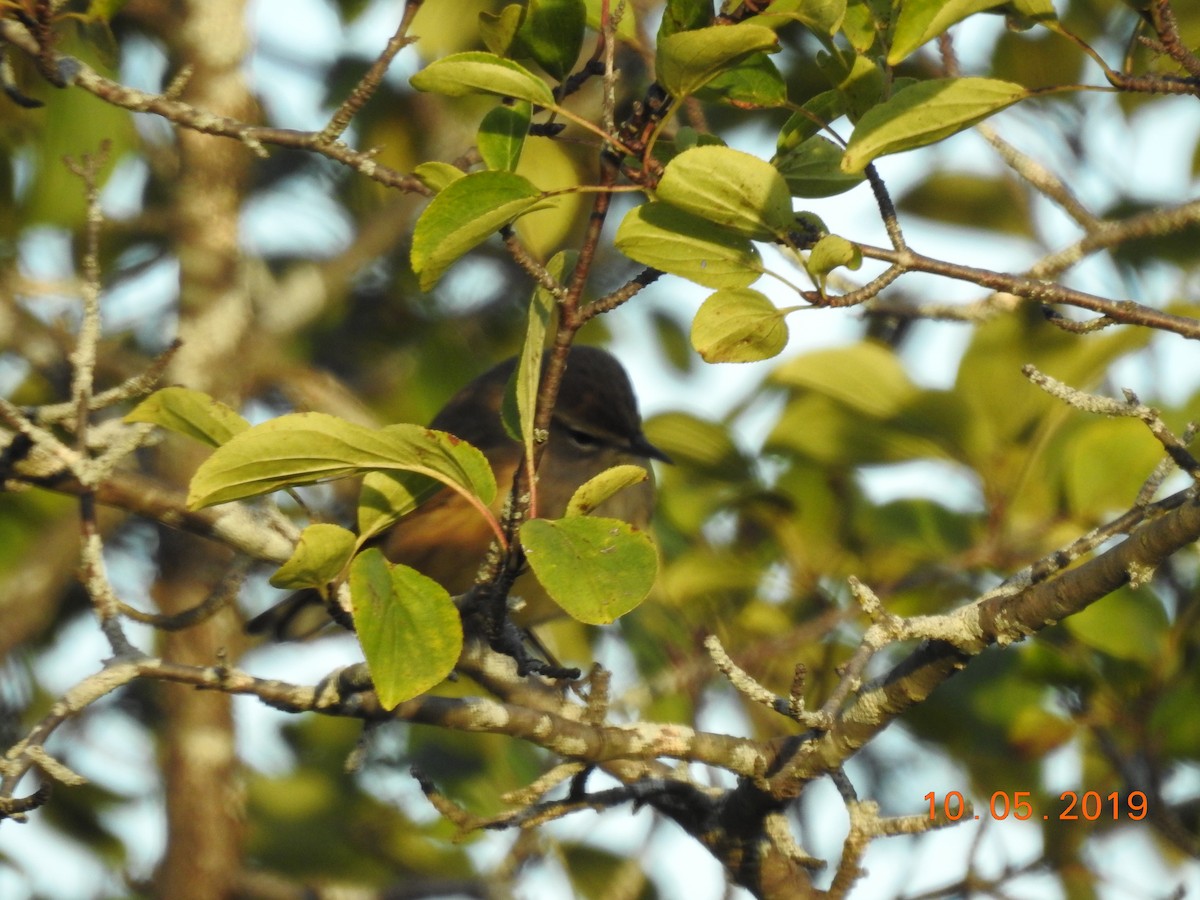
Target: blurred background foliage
774, 498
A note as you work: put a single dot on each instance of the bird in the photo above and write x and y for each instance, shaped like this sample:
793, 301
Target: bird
595, 425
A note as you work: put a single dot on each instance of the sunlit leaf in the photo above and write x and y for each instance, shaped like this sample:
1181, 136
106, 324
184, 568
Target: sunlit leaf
303, 448
1126, 624
436, 175
925, 113
754, 83
811, 119
552, 33
688, 60
477, 72
920, 21
502, 135
499, 30
191, 413
731, 188
819, 16
667, 238
867, 377
386, 496
520, 396
596, 569
320, 556
739, 325
466, 213
600, 487
684, 15
409, 628
829, 253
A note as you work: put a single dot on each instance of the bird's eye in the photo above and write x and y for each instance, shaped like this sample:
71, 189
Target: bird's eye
583, 440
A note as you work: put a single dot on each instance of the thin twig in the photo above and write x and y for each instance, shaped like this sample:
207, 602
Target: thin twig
371, 80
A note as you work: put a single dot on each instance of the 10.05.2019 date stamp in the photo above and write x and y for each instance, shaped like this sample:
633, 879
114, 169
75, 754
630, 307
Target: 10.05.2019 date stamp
1089, 806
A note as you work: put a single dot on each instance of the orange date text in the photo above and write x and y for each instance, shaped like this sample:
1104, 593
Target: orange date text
1089, 806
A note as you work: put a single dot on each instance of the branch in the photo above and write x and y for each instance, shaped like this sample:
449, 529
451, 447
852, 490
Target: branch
80, 74
1126, 312
994, 619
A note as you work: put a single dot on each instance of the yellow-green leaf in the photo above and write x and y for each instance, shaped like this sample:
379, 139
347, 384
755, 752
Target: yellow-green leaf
830, 252
409, 628
386, 496
596, 569
303, 448
436, 175
466, 213
502, 135
319, 558
667, 238
731, 188
552, 33
190, 413
822, 17
520, 396
600, 487
477, 72
688, 60
740, 325
921, 21
924, 113
1127, 624
867, 377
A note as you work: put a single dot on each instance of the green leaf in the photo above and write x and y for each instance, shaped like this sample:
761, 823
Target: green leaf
437, 175
600, 487
667, 238
688, 60
105, 9
596, 569
477, 72
830, 252
859, 78
693, 441
499, 30
502, 136
814, 169
1095, 488
866, 377
552, 33
813, 117
409, 628
921, 21
731, 188
739, 325
973, 201
754, 83
925, 113
386, 496
319, 558
1127, 624
520, 396
190, 413
303, 448
863, 25
684, 15
822, 17
464, 214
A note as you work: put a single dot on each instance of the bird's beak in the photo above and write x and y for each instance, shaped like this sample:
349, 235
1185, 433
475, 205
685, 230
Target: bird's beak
643, 447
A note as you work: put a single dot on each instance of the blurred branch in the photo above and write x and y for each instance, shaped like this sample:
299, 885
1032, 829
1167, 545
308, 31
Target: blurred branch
75, 72
1126, 312
371, 80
